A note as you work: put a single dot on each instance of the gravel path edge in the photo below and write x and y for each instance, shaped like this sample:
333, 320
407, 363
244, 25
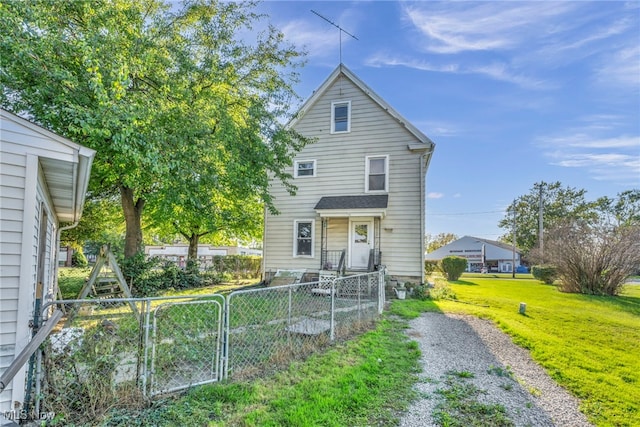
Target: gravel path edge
463, 343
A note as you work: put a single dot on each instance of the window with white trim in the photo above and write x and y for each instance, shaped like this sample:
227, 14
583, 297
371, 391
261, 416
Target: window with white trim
303, 237
377, 174
302, 168
341, 116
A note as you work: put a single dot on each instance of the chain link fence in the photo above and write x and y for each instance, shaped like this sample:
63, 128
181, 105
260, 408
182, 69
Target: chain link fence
108, 353
270, 327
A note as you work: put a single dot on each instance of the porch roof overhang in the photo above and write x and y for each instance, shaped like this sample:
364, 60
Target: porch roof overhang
353, 206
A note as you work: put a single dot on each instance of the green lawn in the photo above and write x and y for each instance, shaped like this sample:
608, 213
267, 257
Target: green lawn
588, 344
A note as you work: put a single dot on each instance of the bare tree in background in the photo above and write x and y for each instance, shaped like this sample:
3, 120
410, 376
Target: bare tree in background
593, 257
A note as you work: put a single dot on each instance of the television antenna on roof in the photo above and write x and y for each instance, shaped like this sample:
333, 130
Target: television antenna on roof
342, 30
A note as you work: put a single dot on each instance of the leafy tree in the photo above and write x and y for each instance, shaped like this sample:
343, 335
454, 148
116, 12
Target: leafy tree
558, 203
593, 258
623, 210
439, 240
156, 90
453, 266
101, 223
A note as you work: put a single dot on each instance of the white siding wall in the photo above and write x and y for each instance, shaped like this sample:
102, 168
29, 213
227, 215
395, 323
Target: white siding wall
341, 171
12, 193
22, 194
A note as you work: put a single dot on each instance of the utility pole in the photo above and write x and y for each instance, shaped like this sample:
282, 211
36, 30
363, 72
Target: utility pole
540, 222
513, 253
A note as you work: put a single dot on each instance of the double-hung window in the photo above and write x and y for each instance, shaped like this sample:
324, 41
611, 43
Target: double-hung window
303, 235
377, 174
340, 116
304, 168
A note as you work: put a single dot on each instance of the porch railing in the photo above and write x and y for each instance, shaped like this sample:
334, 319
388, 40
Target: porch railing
375, 259
332, 260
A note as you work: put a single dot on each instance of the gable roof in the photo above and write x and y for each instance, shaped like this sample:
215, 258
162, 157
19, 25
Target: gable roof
66, 166
496, 243
342, 71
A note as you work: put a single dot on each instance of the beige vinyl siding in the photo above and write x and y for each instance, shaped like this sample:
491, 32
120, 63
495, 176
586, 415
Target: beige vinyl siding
340, 163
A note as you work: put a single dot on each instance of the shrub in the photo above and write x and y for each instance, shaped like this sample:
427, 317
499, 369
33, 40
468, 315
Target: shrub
545, 273
595, 257
421, 292
453, 266
430, 267
78, 259
141, 275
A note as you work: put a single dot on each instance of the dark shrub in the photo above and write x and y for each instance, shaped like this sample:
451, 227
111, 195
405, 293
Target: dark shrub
545, 273
453, 266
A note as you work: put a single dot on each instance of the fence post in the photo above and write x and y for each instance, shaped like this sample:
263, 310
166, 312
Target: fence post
381, 290
147, 326
225, 334
332, 323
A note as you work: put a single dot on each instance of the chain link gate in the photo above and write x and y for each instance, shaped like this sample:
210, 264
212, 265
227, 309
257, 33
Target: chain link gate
185, 344
106, 354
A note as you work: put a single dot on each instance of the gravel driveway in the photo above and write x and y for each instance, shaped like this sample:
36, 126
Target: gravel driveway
480, 354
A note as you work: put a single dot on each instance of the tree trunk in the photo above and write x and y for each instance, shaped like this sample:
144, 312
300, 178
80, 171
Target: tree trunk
132, 217
194, 238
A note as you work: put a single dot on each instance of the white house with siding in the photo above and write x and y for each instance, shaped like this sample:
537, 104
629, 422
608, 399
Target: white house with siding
360, 200
480, 253
43, 180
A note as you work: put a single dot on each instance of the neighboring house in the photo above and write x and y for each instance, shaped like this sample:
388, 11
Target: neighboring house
480, 253
178, 250
43, 180
178, 253
360, 196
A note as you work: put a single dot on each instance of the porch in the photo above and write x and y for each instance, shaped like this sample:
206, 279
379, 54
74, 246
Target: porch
350, 238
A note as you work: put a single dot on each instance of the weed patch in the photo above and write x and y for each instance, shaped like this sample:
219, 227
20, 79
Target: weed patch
460, 406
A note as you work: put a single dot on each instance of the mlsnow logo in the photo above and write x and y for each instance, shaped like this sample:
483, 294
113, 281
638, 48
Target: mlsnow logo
21, 415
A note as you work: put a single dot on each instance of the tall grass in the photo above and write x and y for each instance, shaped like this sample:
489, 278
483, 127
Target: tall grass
367, 381
588, 344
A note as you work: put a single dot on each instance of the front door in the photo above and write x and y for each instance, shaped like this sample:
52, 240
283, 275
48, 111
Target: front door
361, 241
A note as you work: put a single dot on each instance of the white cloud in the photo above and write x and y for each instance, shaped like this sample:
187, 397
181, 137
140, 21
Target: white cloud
496, 71
452, 28
520, 40
436, 128
619, 168
317, 41
434, 195
603, 158
582, 140
621, 67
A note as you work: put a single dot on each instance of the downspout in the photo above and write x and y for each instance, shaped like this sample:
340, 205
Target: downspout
264, 246
53, 323
424, 163
423, 215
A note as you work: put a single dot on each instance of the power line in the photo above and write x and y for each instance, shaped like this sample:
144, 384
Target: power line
464, 213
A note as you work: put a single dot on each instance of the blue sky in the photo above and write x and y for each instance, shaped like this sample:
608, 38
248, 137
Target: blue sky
512, 93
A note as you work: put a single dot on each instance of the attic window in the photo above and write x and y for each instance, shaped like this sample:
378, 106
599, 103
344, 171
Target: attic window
341, 117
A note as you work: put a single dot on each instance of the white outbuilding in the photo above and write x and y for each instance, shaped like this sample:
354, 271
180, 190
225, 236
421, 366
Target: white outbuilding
43, 181
480, 253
